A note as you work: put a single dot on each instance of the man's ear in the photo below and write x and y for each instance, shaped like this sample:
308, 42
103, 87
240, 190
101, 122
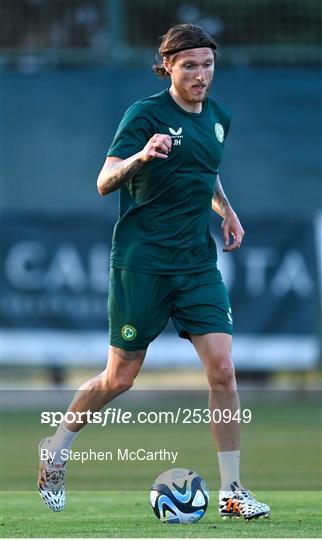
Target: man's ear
167, 66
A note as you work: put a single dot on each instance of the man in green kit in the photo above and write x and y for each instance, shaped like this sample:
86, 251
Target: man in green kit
165, 160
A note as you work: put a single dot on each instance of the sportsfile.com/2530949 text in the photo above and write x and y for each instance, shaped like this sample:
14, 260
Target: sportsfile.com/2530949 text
113, 415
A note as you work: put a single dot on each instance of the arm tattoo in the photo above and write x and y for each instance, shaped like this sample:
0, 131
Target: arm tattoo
220, 197
117, 174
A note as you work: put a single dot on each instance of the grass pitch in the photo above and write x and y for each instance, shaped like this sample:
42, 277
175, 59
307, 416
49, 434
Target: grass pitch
281, 450
128, 514
281, 455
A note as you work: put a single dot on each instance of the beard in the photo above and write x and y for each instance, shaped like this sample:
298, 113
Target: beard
189, 97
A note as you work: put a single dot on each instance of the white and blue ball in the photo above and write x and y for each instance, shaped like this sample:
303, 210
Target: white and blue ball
179, 496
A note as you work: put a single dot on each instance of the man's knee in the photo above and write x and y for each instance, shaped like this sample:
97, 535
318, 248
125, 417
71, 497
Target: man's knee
122, 369
117, 382
221, 374
120, 384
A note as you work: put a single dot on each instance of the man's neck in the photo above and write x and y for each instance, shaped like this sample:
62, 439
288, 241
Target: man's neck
189, 107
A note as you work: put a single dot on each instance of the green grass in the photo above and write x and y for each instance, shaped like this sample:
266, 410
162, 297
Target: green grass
281, 451
128, 514
281, 462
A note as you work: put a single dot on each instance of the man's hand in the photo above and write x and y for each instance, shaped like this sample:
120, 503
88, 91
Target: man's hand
231, 227
117, 171
157, 147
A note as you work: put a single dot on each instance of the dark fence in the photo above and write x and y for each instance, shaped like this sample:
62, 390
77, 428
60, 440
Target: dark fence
58, 126
65, 33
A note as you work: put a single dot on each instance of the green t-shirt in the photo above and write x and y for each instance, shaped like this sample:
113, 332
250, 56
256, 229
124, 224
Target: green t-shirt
163, 225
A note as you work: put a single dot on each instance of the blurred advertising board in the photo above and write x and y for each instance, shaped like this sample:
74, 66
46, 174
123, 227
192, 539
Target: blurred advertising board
54, 275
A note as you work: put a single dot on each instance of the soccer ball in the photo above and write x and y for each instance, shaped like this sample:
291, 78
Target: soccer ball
179, 496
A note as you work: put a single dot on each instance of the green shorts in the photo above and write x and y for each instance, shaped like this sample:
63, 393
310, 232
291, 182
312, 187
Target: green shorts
140, 306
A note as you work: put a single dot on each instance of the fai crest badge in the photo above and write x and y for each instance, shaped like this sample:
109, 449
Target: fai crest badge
128, 332
219, 131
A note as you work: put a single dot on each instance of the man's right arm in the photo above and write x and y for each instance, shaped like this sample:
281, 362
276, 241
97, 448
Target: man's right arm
117, 171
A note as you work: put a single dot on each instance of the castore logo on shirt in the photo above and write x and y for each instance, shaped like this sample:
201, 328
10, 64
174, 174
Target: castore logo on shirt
176, 136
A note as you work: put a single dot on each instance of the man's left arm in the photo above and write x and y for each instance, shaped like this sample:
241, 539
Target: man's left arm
231, 224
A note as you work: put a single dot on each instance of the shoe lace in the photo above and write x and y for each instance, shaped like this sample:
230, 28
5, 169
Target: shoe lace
55, 479
247, 497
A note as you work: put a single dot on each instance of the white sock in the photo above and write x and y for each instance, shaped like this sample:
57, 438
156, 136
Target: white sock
229, 469
61, 440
